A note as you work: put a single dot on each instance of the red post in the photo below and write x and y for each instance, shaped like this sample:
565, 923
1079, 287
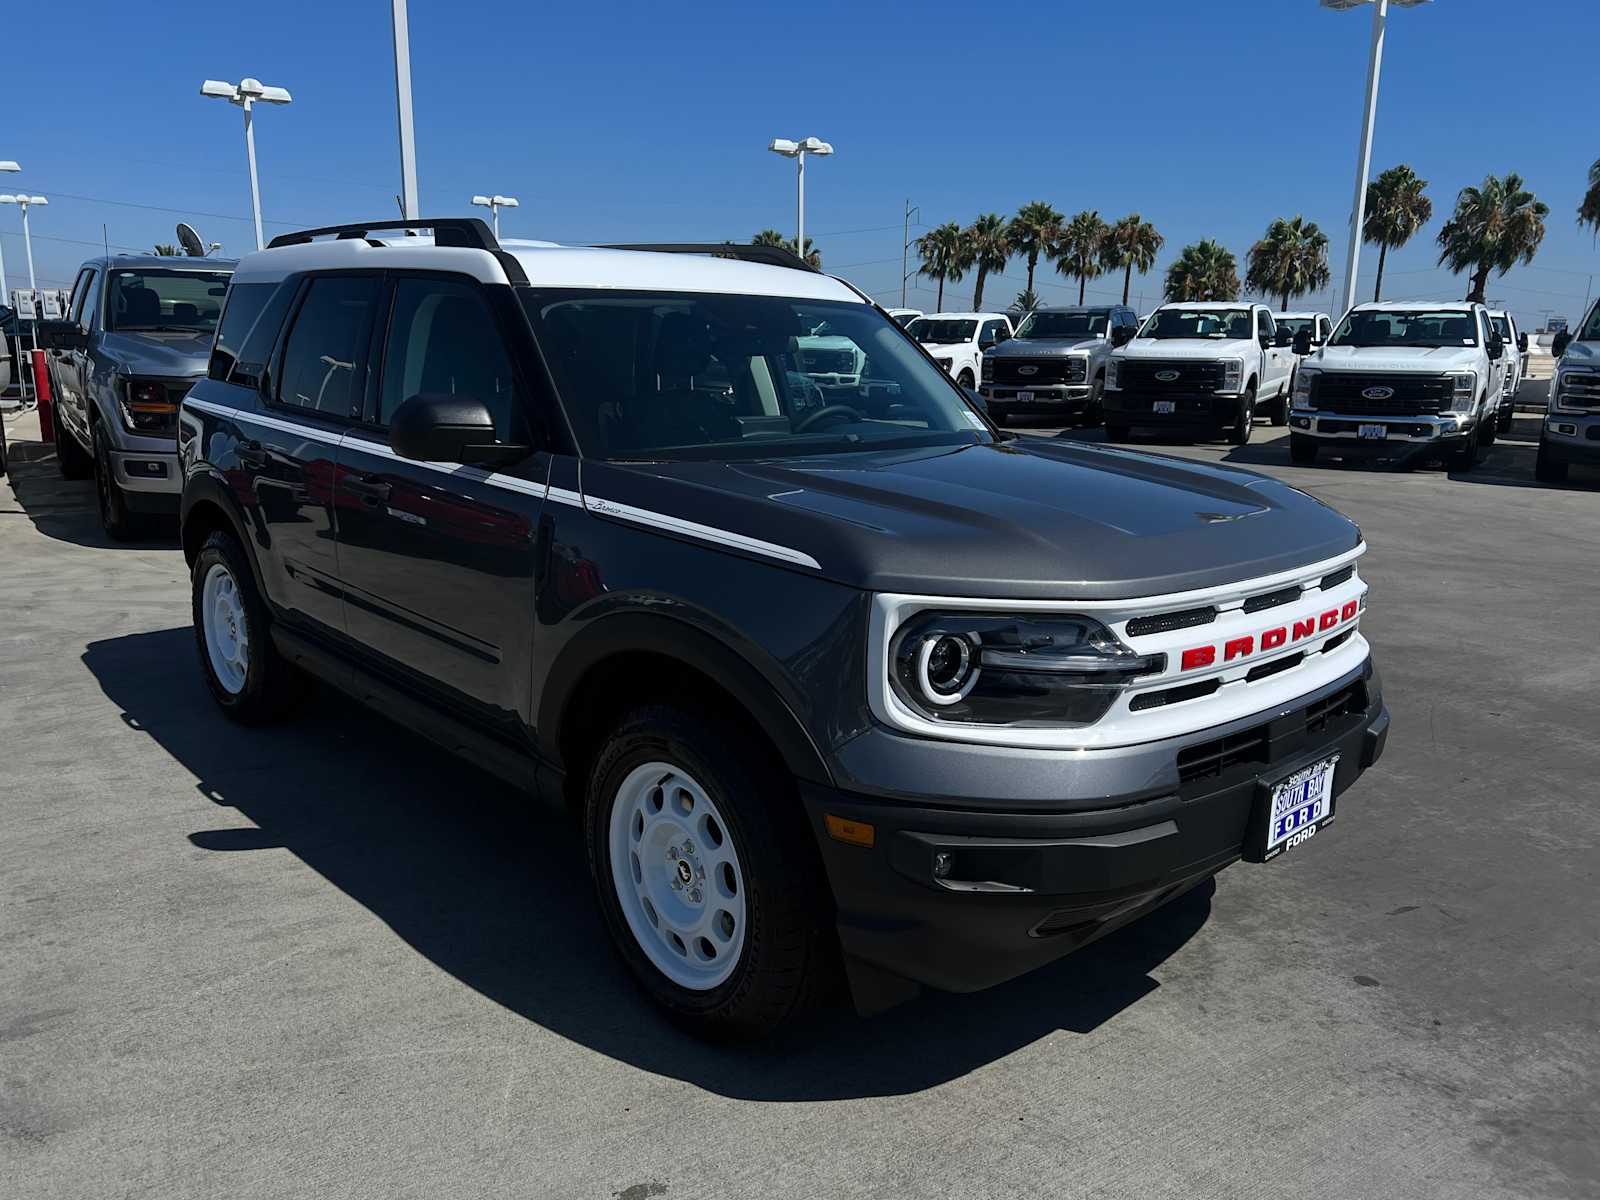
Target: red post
41, 388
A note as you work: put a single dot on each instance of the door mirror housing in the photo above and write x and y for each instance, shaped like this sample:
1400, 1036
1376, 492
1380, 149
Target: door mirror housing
1302, 342
1266, 340
1522, 343
63, 335
1497, 346
1559, 345
439, 427
1284, 338
1122, 335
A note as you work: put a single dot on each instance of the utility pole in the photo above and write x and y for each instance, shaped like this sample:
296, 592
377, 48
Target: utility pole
905, 249
402, 97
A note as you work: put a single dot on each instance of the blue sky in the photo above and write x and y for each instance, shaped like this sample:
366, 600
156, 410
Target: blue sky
648, 122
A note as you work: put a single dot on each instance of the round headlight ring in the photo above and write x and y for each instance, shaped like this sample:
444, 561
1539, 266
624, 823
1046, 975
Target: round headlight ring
947, 668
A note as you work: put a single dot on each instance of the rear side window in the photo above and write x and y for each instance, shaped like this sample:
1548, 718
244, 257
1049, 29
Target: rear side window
250, 322
324, 356
443, 339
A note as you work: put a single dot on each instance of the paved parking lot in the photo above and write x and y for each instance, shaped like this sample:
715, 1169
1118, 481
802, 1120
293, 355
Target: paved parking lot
325, 960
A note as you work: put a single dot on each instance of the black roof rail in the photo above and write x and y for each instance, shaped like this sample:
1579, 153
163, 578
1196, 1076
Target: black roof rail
772, 256
472, 233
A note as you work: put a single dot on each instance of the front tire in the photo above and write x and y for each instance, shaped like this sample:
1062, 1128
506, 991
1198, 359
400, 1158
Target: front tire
965, 379
1466, 458
250, 681
1302, 449
1507, 415
1280, 409
1117, 432
116, 518
1547, 468
704, 873
1244, 421
1094, 412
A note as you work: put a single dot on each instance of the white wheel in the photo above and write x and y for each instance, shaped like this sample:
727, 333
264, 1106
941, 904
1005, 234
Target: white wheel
677, 876
226, 628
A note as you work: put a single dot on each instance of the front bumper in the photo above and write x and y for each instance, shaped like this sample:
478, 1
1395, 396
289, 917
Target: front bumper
1572, 438
1073, 397
151, 476
962, 898
1203, 410
1420, 430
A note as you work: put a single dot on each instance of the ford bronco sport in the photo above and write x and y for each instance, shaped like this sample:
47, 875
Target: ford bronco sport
835, 676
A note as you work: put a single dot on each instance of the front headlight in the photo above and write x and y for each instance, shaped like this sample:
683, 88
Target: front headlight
1463, 389
1574, 389
1302, 386
1011, 670
1111, 375
1232, 374
147, 406
988, 369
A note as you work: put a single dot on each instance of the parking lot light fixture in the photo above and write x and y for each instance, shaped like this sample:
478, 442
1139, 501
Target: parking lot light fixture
494, 204
247, 93
1380, 15
798, 151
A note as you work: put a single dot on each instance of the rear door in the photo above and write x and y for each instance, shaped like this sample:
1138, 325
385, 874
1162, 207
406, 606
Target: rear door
437, 559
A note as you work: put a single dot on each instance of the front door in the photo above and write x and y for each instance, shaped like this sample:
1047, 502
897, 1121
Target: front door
67, 366
437, 559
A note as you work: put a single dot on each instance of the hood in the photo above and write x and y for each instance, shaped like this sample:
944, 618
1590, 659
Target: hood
947, 347
1044, 347
1425, 360
164, 355
1184, 348
1582, 354
1025, 519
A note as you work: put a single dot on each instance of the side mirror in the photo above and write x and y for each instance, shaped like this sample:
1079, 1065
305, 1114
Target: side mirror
438, 427
1497, 346
1558, 347
1302, 342
63, 335
1284, 338
1522, 343
1122, 335
1266, 341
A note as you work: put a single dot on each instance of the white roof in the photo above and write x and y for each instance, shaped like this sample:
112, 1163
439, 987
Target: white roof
1298, 316
953, 316
548, 264
1416, 306
1209, 304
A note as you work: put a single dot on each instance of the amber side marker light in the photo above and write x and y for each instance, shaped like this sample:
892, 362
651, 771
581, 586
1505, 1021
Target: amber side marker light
856, 833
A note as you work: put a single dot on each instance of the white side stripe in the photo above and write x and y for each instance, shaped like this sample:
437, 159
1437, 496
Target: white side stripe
724, 537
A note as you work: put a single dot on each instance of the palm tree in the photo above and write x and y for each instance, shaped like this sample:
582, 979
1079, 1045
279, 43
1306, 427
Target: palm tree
1080, 252
988, 241
1589, 210
1033, 231
1494, 227
167, 250
1132, 245
771, 237
944, 256
1203, 271
1397, 206
1291, 260
1027, 300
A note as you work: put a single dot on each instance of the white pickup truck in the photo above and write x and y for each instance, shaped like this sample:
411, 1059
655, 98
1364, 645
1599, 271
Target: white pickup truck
1421, 378
1200, 367
957, 341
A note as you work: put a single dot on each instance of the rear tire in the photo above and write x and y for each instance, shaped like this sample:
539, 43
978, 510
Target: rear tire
1302, 449
1548, 469
250, 681
720, 911
1244, 421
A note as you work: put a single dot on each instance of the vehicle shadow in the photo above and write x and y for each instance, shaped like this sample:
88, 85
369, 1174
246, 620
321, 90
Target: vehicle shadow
495, 891
66, 509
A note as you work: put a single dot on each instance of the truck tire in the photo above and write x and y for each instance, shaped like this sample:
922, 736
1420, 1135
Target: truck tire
706, 873
1508, 412
1094, 412
965, 379
1116, 432
1466, 458
72, 460
1488, 429
251, 682
1548, 469
1244, 420
1280, 408
120, 523
999, 413
1302, 449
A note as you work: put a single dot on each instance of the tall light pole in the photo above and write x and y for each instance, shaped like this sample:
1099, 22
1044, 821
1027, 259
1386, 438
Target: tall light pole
905, 248
5, 294
402, 100
494, 204
246, 94
798, 151
1358, 210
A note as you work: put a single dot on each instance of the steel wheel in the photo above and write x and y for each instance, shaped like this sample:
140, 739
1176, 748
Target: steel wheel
227, 630
677, 876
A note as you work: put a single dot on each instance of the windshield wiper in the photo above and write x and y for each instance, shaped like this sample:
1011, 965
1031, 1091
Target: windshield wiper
159, 329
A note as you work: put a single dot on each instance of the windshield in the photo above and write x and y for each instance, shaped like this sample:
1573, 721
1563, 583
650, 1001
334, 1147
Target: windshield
1591, 328
1414, 327
1230, 324
186, 301
931, 332
654, 375
1297, 325
1065, 324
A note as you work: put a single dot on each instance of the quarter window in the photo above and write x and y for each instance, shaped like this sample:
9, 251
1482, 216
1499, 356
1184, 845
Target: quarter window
324, 357
443, 339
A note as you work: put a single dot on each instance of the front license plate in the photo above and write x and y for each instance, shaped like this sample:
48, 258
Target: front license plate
1372, 433
1298, 807
1024, 397
1164, 406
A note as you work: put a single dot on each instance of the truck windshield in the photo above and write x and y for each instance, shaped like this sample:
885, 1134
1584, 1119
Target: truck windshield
652, 376
1065, 324
162, 300
931, 333
1406, 327
1229, 324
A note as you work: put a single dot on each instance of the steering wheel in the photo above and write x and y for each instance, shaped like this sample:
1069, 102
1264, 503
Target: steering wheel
828, 410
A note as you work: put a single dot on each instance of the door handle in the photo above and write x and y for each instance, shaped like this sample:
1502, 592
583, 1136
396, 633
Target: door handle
251, 453
370, 488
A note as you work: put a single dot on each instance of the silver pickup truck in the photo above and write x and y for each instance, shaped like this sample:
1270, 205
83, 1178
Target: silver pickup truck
1056, 362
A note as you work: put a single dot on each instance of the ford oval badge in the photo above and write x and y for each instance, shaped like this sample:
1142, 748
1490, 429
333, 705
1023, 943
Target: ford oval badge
1030, 370
1377, 393
1166, 376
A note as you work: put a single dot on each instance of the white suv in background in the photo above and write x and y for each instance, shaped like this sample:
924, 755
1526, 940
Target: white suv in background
957, 341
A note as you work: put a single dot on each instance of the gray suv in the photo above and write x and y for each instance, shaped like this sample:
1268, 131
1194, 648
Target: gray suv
136, 337
1056, 362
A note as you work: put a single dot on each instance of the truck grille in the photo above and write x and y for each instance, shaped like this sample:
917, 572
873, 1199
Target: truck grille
840, 362
1135, 374
1021, 372
1579, 390
1410, 394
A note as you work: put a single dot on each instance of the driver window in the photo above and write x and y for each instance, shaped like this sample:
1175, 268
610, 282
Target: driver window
444, 340
1268, 327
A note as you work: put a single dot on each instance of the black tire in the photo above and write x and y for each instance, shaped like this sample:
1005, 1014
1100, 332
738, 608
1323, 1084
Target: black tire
1489, 429
120, 523
1280, 408
1244, 420
272, 685
1466, 457
965, 380
1548, 469
1094, 412
789, 956
72, 460
998, 413
1116, 432
1303, 449
1508, 413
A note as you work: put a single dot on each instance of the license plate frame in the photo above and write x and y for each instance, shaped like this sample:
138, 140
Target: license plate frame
1290, 809
1164, 408
1372, 433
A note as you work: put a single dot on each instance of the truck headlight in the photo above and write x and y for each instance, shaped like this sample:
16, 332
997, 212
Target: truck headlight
988, 369
1038, 671
147, 407
1111, 375
1232, 374
1302, 387
1463, 389
1575, 389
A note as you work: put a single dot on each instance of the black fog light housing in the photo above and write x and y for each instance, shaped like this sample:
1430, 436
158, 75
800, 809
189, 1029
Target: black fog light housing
1300, 422
1017, 670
